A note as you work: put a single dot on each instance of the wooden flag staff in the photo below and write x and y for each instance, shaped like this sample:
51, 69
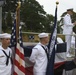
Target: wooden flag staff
18, 19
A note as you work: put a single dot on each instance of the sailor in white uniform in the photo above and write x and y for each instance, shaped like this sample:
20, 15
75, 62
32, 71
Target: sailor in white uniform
5, 54
68, 29
39, 55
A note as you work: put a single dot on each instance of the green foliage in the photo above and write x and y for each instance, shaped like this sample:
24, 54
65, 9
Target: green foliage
7, 23
10, 5
4, 27
58, 27
73, 20
9, 20
33, 15
49, 22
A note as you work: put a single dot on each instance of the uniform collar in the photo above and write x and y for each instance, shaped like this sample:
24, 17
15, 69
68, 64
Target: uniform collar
1, 48
42, 44
68, 14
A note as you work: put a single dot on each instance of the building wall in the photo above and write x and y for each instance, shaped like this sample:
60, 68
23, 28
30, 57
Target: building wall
34, 37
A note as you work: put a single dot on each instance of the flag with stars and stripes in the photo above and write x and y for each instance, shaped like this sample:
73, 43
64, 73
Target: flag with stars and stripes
13, 43
19, 63
13, 36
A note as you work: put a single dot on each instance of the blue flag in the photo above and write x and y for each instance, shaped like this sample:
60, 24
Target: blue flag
51, 47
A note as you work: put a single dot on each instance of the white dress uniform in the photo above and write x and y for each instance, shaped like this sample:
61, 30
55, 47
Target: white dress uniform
39, 58
5, 69
67, 30
73, 42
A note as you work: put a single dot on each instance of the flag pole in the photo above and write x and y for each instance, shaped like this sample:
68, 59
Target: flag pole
18, 24
19, 62
18, 19
57, 3
51, 46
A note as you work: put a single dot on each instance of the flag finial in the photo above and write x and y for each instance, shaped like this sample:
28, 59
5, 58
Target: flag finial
57, 2
19, 3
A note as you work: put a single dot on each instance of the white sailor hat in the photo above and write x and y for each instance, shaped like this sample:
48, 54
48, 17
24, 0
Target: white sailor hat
5, 35
70, 9
42, 35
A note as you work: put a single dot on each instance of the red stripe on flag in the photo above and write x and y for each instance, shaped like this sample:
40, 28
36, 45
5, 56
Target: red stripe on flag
58, 64
20, 67
29, 70
15, 73
19, 63
19, 53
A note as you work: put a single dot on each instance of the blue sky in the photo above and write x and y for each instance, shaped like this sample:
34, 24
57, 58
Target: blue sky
49, 6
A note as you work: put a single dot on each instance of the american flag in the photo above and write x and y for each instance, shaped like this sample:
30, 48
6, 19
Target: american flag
19, 64
13, 40
13, 35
